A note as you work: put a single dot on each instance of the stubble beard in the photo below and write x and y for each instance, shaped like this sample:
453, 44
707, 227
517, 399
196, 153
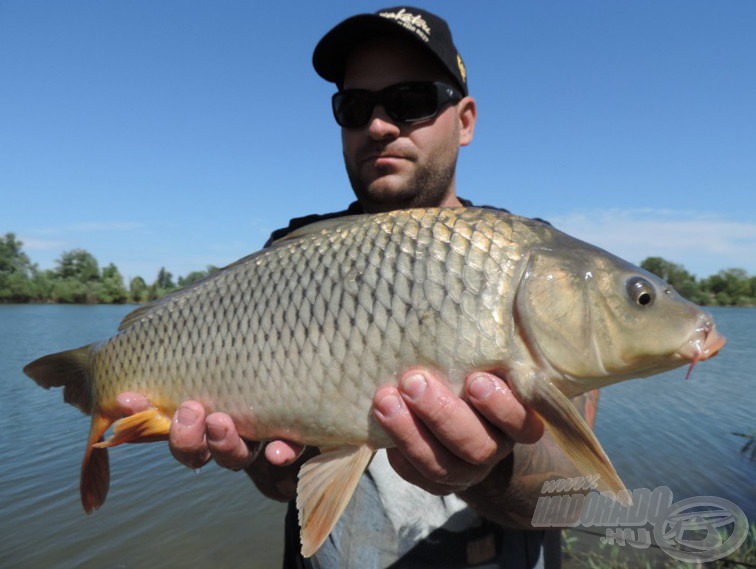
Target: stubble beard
428, 185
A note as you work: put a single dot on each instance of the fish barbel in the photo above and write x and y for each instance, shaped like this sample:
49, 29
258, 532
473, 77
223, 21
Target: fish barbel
293, 341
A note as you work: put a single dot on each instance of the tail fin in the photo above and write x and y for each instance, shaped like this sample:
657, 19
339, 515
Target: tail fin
69, 370
95, 468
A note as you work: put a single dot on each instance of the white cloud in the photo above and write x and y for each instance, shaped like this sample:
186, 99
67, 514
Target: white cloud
703, 243
41, 244
104, 226
90, 226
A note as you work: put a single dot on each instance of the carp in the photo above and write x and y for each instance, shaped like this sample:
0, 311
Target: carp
293, 340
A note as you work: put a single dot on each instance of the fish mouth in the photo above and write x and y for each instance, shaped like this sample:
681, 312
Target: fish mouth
704, 344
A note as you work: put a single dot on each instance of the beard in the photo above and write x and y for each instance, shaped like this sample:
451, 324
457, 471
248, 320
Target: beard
422, 185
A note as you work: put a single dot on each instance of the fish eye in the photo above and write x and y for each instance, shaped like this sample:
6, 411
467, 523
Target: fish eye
642, 292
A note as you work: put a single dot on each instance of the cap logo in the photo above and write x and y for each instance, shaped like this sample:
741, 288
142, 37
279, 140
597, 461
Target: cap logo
412, 22
462, 70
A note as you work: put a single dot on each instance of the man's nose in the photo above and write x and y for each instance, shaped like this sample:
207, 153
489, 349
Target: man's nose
382, 126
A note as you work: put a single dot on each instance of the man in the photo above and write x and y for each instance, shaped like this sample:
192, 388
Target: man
444, 495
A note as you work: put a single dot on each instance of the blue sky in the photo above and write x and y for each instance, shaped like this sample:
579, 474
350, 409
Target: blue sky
180, 133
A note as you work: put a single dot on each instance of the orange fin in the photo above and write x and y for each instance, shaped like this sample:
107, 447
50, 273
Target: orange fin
143, 427
95, 469
326, 484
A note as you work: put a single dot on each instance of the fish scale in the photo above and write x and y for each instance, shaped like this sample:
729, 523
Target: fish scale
194, 352
293, 341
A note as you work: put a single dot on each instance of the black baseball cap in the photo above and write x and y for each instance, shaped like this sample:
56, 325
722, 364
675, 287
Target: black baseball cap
424, 28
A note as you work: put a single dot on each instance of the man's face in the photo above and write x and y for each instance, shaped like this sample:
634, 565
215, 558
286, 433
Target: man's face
394, 165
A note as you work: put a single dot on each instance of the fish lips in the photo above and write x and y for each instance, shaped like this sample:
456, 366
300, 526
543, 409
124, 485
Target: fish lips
705, 343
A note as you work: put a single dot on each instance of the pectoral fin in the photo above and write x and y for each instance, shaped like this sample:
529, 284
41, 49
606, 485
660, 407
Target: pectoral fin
326, 484
143, 427
575, 438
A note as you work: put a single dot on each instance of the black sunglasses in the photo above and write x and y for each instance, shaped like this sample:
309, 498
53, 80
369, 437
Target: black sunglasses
404, 102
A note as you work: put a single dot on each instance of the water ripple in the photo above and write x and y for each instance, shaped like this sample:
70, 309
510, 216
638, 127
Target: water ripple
658, 431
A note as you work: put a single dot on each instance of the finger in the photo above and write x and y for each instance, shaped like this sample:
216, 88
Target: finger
492, 398
282, 453
187, 437
131, 403
225, 445
451, 420
407, 470
430, 459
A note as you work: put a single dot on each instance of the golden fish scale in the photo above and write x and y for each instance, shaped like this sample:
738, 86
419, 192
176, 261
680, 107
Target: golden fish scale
294, 340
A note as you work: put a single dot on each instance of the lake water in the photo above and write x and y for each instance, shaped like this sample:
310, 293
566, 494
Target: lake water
660, 431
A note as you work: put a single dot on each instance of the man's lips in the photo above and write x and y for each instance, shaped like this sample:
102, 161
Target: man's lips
379, 154
384, 158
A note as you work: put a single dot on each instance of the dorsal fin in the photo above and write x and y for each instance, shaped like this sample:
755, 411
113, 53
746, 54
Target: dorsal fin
153, 307
149, 309
317, 227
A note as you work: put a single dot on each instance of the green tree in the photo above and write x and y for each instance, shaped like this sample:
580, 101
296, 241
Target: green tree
112, 289
72, 291
731, 287
677, 277
153, 293
42, 284
16, 271
164, 280
78, 264
138, 290
77, 278
195, 276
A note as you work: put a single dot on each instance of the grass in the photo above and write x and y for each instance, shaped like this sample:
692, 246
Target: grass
749, 448
583, 549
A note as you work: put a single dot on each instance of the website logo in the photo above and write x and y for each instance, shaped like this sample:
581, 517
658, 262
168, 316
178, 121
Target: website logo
696, 530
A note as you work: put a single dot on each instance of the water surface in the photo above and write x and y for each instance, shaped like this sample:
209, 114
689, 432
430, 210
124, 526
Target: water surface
658, 431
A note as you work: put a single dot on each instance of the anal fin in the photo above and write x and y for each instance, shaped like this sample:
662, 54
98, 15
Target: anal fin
146, 426
326, 484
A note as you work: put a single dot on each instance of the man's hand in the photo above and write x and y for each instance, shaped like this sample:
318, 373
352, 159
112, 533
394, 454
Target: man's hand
444, 443
195, 439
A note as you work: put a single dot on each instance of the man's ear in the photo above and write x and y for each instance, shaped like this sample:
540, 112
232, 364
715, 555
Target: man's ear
467, 112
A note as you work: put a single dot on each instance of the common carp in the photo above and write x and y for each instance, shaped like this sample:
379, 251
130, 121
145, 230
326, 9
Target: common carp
293, 341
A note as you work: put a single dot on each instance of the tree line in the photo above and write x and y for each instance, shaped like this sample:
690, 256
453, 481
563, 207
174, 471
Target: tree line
77, 278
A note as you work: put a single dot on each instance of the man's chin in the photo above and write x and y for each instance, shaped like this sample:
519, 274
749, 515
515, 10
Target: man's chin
386, 194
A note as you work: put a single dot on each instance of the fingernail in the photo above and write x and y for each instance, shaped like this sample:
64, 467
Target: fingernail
186, 416
389, 406
215, 432
414, 386
481, 387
